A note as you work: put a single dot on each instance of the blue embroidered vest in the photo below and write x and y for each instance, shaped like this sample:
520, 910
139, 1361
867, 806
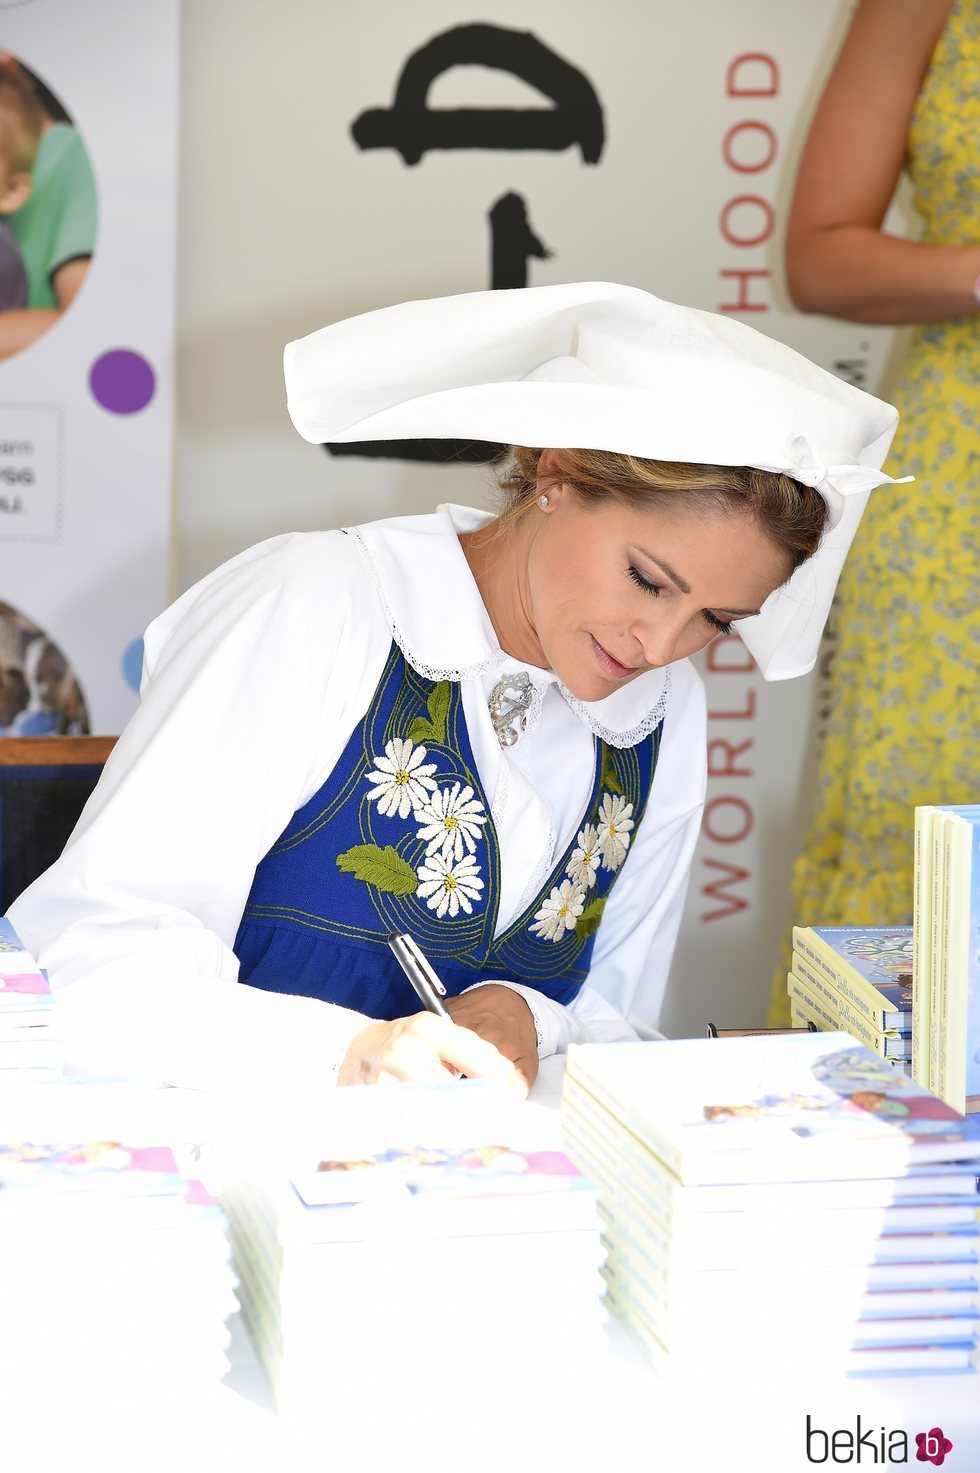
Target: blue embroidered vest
399, 838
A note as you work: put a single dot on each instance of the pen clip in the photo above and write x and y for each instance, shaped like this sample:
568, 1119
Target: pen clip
423, 965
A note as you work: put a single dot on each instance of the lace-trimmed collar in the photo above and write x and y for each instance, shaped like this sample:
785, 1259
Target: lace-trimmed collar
442, 627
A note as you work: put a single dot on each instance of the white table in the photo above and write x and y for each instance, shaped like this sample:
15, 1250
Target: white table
614, 1415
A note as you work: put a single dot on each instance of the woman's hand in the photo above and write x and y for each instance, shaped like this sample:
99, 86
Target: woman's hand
426, 1049
500, 1015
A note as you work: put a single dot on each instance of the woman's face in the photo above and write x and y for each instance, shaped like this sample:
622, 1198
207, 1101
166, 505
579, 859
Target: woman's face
613, 591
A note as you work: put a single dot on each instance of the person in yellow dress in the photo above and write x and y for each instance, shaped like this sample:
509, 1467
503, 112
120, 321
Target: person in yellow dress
904, 709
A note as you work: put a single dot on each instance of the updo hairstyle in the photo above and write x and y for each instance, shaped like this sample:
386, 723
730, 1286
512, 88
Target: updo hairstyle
792, 515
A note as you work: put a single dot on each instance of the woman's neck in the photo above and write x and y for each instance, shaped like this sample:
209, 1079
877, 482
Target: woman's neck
498, 560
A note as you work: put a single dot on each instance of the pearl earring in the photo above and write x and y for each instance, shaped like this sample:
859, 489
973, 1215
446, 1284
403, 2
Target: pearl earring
542, 501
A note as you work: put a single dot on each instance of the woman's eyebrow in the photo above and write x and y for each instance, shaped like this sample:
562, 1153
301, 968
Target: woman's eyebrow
685, 587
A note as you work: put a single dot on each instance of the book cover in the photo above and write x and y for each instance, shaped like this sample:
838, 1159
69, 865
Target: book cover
760, 1228
598, 1144
797, 1107
23, 989
9, 940
105, 1167
870, 966
404, 1172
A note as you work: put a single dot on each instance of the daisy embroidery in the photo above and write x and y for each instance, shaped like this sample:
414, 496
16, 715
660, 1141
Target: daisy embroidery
445, 885
402, 778
586, 858
451, 822
559, 912
615, 822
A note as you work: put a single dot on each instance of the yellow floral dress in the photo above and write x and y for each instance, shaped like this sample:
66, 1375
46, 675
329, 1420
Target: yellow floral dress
904, 723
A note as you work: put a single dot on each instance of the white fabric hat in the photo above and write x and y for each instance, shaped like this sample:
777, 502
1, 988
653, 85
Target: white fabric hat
597, 366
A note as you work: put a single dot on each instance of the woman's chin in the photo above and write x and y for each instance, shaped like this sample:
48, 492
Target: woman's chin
589, 688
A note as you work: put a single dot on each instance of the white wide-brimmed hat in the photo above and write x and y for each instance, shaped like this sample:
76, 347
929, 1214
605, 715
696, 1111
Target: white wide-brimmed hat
597, 366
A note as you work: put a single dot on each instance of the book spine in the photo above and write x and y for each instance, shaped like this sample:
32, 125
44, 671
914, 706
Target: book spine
921, 943
638, 1125
816, 980
946, 824
970, 1045
959, 887
858, 991
936, 969
593, 1139
814, 1007
840, 1007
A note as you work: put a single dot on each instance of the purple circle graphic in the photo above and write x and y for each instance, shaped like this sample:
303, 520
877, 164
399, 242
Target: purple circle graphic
122, 381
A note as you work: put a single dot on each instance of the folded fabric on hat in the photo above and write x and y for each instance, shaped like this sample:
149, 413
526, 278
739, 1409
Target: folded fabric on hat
593, 365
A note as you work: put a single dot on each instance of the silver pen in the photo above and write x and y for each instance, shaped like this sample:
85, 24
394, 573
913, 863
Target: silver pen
419, 972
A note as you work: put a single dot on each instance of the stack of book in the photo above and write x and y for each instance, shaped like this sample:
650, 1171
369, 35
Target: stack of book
29, 1047
857, 979
946, 954
793, 1199
119, 1273
400, 1254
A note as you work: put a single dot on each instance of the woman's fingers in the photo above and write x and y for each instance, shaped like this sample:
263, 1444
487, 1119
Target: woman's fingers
503, 1018
423, 1049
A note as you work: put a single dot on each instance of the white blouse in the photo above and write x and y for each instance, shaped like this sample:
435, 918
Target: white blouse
253, 682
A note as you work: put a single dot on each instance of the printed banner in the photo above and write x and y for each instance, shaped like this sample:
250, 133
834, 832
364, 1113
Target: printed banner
424, 149
88, 127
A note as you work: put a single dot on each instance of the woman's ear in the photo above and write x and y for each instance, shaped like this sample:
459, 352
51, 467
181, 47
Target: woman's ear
547, 475
546, 465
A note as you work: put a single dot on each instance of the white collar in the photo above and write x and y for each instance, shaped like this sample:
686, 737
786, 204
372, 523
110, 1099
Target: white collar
441, 625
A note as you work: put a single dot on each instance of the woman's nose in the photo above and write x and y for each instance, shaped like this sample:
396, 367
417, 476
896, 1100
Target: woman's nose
658, 638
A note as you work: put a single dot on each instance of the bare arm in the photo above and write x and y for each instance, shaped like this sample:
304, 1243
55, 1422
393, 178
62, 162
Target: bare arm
838, 259
24, 325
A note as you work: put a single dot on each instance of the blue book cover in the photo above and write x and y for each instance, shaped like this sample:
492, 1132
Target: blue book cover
9, 940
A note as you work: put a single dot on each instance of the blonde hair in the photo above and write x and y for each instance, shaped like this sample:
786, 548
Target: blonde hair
21, 120
792, 515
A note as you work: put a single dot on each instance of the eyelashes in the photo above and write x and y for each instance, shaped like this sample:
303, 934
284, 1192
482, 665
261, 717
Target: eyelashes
721, 626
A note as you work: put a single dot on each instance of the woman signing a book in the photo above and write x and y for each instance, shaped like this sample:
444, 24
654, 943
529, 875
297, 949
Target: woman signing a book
480, 730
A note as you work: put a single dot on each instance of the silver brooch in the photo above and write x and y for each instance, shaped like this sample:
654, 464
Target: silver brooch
510, 701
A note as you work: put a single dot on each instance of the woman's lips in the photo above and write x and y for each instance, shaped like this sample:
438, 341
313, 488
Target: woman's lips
609, 663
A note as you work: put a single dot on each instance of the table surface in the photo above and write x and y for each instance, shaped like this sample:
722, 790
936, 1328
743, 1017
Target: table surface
613, 1414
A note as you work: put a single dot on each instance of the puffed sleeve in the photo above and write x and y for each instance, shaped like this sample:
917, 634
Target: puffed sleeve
252, 684
635, 942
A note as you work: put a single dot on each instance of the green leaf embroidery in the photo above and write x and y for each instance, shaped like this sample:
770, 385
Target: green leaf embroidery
607, 777
420, 732
383, 868
588, 922
433, 730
